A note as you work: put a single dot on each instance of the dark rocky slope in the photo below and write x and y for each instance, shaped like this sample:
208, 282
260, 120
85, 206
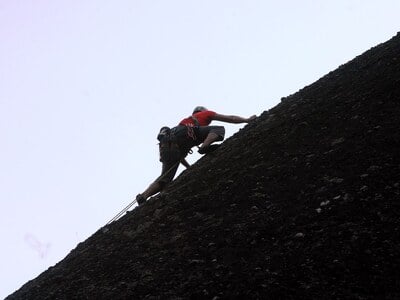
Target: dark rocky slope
303, 203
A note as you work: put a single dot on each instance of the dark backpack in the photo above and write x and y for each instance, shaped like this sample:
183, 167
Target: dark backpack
168, 145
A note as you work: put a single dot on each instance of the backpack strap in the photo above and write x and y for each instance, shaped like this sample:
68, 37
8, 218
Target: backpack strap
195, 120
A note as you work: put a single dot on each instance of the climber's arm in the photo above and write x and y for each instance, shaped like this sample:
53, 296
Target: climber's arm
233, 119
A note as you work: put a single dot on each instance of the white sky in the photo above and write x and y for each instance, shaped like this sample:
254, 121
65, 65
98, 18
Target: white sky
86, 85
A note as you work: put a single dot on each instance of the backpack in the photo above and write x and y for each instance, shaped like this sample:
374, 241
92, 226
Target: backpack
168, 145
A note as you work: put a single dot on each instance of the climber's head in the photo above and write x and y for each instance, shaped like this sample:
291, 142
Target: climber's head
199, 109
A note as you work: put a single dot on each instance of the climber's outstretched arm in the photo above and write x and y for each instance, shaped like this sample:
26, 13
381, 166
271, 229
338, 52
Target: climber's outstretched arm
233, 119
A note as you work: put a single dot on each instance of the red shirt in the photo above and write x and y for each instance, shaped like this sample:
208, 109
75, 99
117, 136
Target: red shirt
204, 118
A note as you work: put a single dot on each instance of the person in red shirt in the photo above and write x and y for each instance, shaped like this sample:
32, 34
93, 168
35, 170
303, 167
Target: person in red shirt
191, 131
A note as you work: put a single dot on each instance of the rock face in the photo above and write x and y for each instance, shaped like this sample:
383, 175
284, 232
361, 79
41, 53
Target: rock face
303, 203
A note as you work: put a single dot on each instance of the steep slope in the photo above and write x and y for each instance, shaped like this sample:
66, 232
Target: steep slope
303, 203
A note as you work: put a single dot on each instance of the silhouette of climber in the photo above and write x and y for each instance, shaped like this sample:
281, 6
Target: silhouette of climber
176, 143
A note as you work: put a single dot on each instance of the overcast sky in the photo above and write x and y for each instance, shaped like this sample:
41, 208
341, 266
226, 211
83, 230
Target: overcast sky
85, 86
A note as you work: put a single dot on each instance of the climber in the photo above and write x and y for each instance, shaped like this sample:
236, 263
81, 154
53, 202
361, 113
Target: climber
176, 143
